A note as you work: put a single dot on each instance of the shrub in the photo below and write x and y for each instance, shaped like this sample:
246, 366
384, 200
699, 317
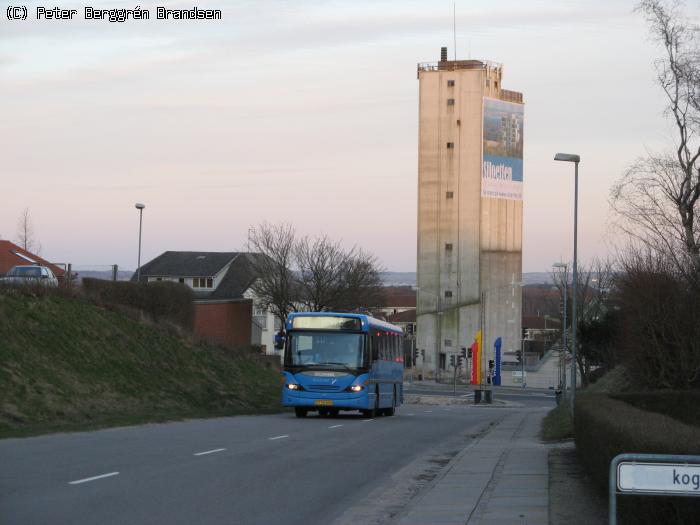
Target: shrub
682, 405
160, 300
605, 427
660, 332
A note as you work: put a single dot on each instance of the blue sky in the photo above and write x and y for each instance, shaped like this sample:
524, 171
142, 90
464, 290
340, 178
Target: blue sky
304, 112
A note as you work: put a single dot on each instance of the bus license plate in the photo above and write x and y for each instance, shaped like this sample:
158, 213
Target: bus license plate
324, 402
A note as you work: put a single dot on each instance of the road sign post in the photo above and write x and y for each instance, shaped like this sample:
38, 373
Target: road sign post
652, 474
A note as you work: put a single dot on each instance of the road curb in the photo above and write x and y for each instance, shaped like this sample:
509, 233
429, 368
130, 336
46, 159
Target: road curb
422, 399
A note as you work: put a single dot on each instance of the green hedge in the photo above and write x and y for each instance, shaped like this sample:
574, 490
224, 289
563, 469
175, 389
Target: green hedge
683, 405
159, 300
605, 427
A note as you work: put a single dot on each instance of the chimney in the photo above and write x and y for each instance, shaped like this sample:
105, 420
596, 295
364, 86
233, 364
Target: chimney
443, 54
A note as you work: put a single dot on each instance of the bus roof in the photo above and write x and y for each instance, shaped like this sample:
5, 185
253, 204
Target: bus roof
367, 321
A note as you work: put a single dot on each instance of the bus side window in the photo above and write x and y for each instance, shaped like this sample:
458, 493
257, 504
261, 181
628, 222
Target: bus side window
375, 348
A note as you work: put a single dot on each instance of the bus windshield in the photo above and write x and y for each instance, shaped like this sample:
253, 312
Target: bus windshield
331, 349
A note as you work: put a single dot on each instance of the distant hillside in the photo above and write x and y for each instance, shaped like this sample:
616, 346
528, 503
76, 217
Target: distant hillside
66, 364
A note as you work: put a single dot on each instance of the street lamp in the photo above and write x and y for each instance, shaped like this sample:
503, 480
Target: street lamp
562, 371
139, 207
569, 157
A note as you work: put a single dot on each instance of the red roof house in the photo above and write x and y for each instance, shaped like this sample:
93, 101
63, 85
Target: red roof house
12, 255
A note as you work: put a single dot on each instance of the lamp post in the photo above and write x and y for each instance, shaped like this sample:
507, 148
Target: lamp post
562, 370
139, 207
569, 157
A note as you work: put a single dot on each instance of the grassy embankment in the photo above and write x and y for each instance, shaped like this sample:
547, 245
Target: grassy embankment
66, 364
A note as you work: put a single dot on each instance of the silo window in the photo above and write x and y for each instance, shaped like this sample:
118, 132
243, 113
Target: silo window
450, 195
450, 83
448, 247
448, 294
450, 102
450, 145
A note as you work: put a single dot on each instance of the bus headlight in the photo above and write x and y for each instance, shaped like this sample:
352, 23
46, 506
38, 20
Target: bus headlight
355, 388
294, 386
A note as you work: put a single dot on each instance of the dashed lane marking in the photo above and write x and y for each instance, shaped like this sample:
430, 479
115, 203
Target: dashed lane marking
93, 478
209, 452
278, 437
335, 426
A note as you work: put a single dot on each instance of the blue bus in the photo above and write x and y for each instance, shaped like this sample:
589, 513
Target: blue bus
335, 362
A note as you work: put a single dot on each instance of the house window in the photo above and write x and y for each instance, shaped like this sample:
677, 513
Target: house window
450, 145
450, 195
450, 102
260, 315
448, 247
448, 342
450, 83
181, 280
203, 282
448, 294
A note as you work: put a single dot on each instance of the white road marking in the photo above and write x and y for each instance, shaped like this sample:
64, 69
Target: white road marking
336, 426
279, 437
410, 414
427, 411
365, 420
85, 480
209, 451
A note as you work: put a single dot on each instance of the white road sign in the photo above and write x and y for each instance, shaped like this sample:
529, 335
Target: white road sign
658, 478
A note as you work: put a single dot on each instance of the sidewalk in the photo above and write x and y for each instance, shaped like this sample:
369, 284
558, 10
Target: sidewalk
500, 479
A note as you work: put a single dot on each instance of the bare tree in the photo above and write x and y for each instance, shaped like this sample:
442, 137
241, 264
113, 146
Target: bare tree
657, 198
594, 284
25, 233
321, 263
275, 285
310, 274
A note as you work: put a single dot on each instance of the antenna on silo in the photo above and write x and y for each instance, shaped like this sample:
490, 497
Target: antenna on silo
454, 26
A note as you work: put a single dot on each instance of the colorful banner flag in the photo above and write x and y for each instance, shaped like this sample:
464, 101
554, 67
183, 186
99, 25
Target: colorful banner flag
476, 359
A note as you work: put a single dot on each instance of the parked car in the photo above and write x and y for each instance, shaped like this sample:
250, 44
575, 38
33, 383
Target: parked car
30, 274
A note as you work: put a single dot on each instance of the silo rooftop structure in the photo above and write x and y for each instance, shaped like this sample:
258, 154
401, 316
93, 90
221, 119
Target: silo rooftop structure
470, 212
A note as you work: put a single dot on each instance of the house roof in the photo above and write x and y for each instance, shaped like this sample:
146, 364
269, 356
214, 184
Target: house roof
186, 264
12, 255
409, 316
398, 297
237, 279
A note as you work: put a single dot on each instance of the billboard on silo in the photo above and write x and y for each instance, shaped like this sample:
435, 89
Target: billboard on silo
502, 165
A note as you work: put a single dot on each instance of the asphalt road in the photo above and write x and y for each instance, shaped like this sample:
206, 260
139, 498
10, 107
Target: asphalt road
239, 470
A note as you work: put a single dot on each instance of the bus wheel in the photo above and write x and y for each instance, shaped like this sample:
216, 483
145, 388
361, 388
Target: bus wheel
300, 412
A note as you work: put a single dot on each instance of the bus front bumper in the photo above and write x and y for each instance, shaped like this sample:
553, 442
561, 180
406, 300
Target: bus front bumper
316, 400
